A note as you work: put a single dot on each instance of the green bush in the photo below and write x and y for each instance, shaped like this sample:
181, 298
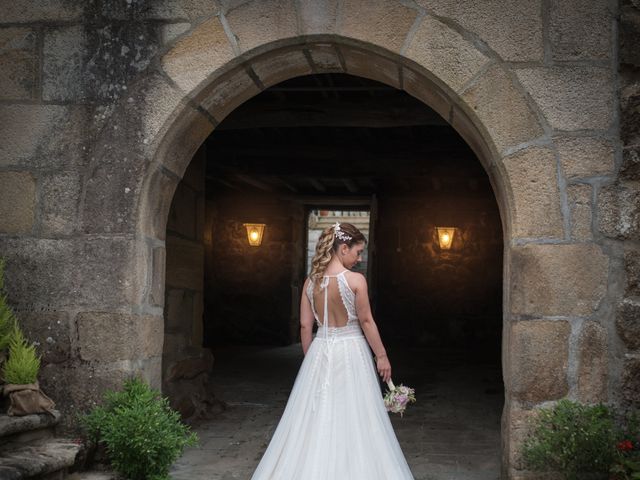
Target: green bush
572, 439
23, 363
7, 318
142, 434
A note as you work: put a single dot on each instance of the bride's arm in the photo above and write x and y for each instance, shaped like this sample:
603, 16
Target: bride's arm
368, 324
306, 319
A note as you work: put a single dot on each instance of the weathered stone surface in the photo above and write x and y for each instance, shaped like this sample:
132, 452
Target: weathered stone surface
630, 113
28, 461
52, 331
419, 87
632, 270
579, 197
593, 364
59, 198
571, 97
445, 53
49, 10
227, 93
80, 272
197, 329
585, 156
198, 55
280, 66
513, 29
97, 342
628, 323
363, 64
157, 201
619, 210
191, 367
171, 31
538, 358
63, 69
49, 136
18, 64
630, 168
10, 425
563, 279
629, 36
178, 312
519, 423
325, 58
17, 202
260, 22
184, 263
630, 388
494, 94
157, 105
317, 16
536, 198
382, 23
156, 296
581, 29
183, 213
178, 9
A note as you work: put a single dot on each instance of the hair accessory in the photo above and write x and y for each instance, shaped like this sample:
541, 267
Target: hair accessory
340, 234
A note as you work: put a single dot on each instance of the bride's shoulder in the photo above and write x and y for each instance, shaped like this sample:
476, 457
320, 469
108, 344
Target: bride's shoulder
356, 280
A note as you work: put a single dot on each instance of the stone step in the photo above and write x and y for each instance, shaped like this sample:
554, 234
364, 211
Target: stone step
43, 459
93, 475
28, 427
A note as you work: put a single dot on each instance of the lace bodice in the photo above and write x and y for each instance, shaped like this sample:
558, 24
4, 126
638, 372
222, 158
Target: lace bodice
346, 294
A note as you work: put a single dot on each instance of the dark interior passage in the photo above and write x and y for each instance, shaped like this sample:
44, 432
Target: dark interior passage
336, 138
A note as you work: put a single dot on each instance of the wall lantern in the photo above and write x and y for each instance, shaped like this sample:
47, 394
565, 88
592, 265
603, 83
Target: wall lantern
254, 233
445, 236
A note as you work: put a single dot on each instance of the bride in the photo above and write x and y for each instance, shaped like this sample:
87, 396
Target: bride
335, 425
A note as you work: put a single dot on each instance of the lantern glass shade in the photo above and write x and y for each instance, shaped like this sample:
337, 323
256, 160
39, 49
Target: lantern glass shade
445, 237
254, 233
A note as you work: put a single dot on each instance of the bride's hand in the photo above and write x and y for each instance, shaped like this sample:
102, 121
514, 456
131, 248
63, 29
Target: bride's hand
384, 367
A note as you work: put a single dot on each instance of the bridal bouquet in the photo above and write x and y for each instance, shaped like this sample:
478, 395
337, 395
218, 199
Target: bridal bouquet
397, 398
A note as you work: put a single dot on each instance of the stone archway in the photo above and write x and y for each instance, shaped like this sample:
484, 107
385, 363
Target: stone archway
502, 114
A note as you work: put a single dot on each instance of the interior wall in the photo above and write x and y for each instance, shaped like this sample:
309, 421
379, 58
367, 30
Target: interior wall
250, 291
433, 297
185, 364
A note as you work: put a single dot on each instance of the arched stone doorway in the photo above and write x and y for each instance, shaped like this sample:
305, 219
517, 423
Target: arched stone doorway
207, 73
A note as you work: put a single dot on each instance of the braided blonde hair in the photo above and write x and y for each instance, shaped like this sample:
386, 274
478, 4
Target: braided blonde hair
328, 243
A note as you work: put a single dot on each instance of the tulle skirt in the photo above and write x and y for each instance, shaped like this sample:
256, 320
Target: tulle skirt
335, 425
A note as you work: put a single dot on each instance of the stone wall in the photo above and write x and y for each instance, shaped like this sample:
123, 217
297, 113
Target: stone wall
186, 365
435, 297
623, 202
251, 291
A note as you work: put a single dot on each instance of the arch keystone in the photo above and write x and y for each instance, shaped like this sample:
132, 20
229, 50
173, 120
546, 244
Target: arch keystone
381, 22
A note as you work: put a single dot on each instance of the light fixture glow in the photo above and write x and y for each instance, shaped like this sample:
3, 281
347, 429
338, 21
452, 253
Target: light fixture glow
445, 237
254, 233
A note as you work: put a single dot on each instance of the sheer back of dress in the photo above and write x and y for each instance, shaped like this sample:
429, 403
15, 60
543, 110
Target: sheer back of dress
340, 301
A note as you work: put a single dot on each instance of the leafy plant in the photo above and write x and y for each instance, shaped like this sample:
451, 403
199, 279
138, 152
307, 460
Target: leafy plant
572, 439
142, 434
23, 363
7, 318
626, 465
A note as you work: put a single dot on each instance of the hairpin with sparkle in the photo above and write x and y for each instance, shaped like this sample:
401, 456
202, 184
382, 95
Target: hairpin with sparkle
340, 234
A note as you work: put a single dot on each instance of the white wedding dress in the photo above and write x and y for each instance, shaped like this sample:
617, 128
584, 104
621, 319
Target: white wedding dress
335, 425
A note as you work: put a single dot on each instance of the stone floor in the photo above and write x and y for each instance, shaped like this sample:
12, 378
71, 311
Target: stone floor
452, 432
